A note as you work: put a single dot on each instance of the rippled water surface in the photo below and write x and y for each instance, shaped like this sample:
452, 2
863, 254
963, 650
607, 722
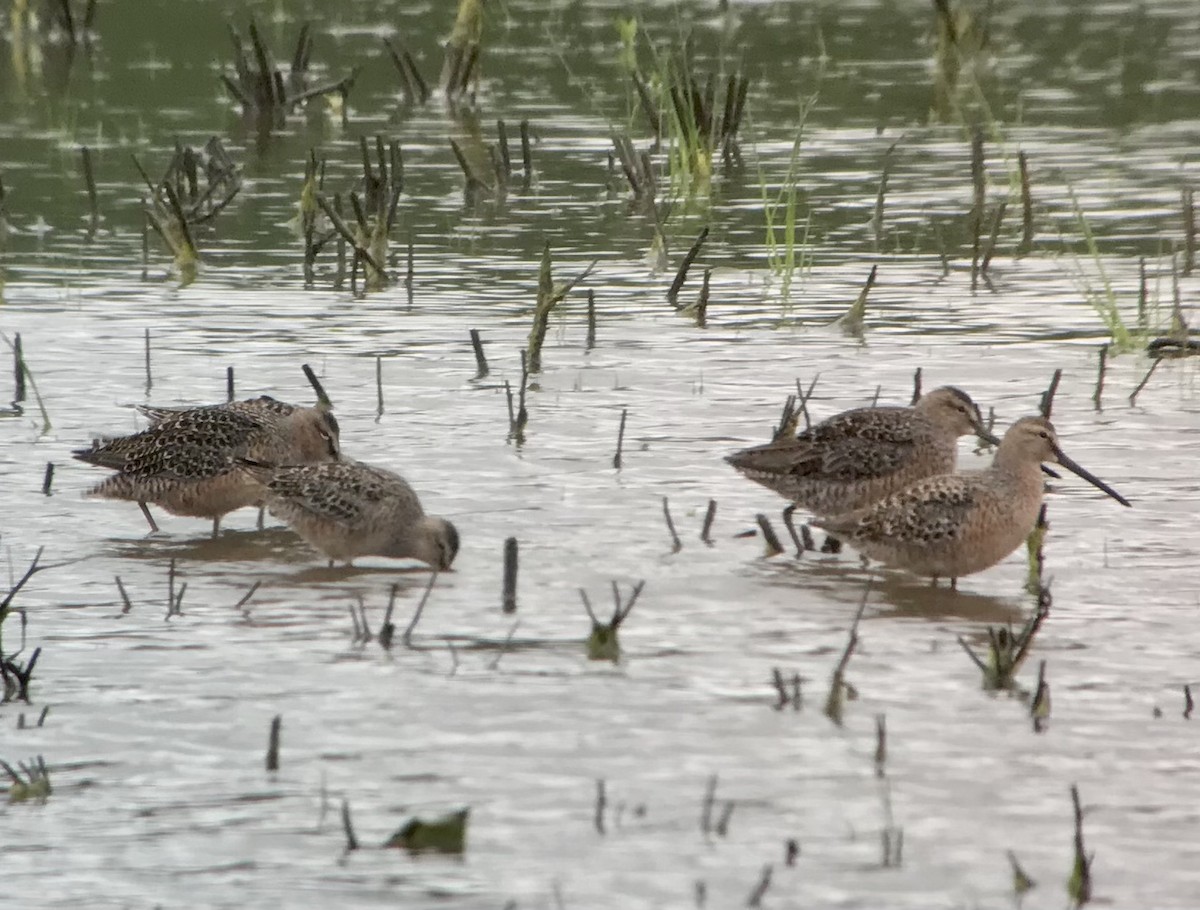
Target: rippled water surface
157, 728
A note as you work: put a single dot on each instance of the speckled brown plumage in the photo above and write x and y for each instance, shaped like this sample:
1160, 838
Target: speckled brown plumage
349, 509
263, 408
952, 525
859, 456
185, 462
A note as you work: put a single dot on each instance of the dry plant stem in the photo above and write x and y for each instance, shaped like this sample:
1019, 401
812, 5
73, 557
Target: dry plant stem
526, 154
48, 478
378, 386
1189, 705
1189, 231
348, 827
993, 237
877, 217
803, 399
89, 181
880, 744
505, 645
229, 384
601, 804
21, 365
979, 199
407, 638
1103, 365
770, 538
273, 743
346, 234
616, 462
502, 143
1047, 402
702, 303
149, 378
18, 369
676, 543
522, 411
1026, 205
1039, 706
1080, 884
481, 364
128, 604
688, 259
245, 598
916, 395
1145, 379
591, 321
509, 591
706, 807
760, 890
837, 680
709, 516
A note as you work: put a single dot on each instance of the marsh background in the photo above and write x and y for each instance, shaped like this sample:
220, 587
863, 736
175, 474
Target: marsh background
156, 728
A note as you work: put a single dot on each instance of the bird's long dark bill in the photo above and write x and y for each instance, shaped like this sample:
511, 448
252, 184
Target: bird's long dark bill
1089, 477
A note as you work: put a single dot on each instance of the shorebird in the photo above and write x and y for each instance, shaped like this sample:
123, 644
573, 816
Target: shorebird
859, 456
348, 509
952, 525
185, 462
264, 407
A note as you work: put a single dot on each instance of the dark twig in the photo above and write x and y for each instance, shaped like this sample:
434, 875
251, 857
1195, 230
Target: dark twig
601, 804
348, 827
688, 259
1047, 402
676, 543
764, 882
709, 516
770, 538
124, 597
1099, 393
616, 462
509, 592
481, 364
1026, 205
273, 743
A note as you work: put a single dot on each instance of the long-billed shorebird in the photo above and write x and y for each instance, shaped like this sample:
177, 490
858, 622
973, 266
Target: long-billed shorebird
859, 456
349, 509
952, 525
186, 461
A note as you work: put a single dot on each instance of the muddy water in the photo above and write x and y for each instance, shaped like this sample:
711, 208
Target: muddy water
157, 727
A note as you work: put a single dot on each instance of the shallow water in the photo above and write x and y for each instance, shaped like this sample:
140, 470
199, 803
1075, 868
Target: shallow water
157, 727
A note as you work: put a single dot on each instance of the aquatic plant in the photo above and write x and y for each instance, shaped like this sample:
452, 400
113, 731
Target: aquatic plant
549, 295
461, 60
196, 186
780, 214
603, 642
1006, 650
32, 784
15, 676
447, 834
265, 94
1104, 299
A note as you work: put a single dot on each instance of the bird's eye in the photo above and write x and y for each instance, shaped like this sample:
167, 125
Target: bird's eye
1044, 434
